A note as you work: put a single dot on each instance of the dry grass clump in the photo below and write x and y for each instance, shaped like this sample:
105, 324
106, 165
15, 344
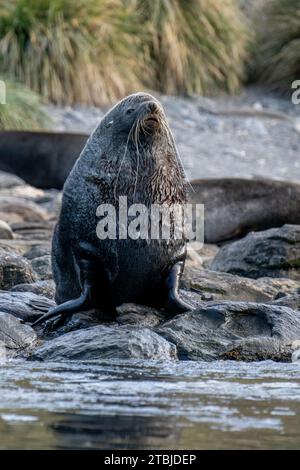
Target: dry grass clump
278, 54
69, 51
96, 51
192, 46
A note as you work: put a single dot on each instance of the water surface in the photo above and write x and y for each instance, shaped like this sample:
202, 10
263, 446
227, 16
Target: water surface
146, 404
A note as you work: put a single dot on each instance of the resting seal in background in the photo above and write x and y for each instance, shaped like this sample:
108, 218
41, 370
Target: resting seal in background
42, 159
236, 206
132, 153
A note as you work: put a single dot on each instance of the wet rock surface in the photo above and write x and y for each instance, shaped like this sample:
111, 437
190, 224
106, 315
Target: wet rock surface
213, 285
24, 305
44, 288
211, 331
15, 336
107, 342
274, 253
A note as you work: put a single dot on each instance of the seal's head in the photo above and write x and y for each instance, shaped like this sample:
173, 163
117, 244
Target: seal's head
139, 113
133, 148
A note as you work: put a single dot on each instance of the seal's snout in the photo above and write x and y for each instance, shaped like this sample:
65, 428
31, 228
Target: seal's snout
151, 113
152, 107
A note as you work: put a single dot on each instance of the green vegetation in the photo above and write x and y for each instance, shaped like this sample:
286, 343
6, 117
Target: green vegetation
22, 109
192, 46
278, 53
95, 51
68, 50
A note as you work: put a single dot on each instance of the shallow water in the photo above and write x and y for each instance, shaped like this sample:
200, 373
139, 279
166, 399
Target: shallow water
145, 404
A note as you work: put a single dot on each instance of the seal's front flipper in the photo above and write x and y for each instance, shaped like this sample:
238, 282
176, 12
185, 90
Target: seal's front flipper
67, 308
174, 305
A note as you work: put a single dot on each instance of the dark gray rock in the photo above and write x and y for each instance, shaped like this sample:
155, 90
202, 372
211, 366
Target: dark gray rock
14, 269
139, 315
213, 285
107, 342
196, 335
210, 331
260, 349
37, 251
24, 305
273, 253
42, 267
44, 288
14, 335
291, 300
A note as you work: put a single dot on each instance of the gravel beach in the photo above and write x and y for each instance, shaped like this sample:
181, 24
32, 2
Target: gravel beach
254, 134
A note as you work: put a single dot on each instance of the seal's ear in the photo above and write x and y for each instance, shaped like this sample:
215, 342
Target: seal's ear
109, 124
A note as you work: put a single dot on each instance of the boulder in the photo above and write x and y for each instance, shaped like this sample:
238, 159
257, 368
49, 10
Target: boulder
139, 315
45, 288
107, 342
24, 305
42, 267
14, 335
213, 285
210, 331
37, 251
260, 349
14, 269
274, 253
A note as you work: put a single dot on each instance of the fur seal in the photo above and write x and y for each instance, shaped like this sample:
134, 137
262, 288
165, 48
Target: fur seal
235, 206
131, 153
42, 159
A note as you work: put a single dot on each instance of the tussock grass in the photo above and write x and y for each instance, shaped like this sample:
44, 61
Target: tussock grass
22, 109
68, 50
96, 51
278, 54
192, 46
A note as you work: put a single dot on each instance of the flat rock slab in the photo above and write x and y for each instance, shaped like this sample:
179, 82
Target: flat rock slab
14, 269
214, 285
210, 331
25, 305
274, 253
107, 342
43, 288
15, 335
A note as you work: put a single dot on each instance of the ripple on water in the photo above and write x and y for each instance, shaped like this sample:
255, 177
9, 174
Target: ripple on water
221, 397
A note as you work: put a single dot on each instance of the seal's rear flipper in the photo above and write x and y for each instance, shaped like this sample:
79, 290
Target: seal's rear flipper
67, 308
174, 305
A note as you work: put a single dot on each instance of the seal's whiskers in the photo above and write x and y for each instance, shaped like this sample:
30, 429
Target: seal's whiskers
122, 161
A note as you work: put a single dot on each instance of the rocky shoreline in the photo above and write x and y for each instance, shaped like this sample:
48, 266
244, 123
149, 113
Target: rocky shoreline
245, 293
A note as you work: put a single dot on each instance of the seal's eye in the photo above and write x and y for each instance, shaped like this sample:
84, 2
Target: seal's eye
130, 111
109, 124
